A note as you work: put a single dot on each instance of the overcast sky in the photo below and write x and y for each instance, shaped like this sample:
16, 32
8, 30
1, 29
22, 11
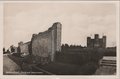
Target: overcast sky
78, 20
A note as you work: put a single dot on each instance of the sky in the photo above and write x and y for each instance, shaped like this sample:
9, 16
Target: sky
78, 20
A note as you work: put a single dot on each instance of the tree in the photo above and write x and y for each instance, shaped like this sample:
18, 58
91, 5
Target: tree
3, 50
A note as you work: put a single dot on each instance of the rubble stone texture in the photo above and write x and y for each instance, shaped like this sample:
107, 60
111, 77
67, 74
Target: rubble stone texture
45, 44
24, 48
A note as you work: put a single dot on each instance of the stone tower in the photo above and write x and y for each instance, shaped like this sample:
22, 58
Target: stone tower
57, 35
104, 41
96, 42
56, 39
88, 41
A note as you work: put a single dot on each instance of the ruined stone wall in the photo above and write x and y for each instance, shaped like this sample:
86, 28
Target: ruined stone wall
45, 44
24, 48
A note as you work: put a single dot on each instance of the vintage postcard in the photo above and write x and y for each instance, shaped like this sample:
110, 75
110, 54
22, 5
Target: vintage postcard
77, 39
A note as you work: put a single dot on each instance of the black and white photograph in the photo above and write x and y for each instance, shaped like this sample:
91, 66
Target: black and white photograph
60, 38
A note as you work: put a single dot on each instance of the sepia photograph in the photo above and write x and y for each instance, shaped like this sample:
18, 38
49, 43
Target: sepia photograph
60, 38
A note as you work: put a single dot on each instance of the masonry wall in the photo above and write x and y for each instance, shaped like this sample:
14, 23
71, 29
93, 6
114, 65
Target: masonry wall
45, 44
96, 42
24, 48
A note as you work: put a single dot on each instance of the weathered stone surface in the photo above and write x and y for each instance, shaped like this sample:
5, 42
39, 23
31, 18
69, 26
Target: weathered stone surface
24, 48
45, 44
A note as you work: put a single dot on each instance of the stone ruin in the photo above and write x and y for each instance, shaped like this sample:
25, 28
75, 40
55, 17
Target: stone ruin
44, 44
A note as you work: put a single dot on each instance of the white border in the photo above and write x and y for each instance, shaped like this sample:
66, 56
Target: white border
61, 76
1, 37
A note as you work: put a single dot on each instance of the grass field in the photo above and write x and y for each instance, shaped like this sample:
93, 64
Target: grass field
9, 65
